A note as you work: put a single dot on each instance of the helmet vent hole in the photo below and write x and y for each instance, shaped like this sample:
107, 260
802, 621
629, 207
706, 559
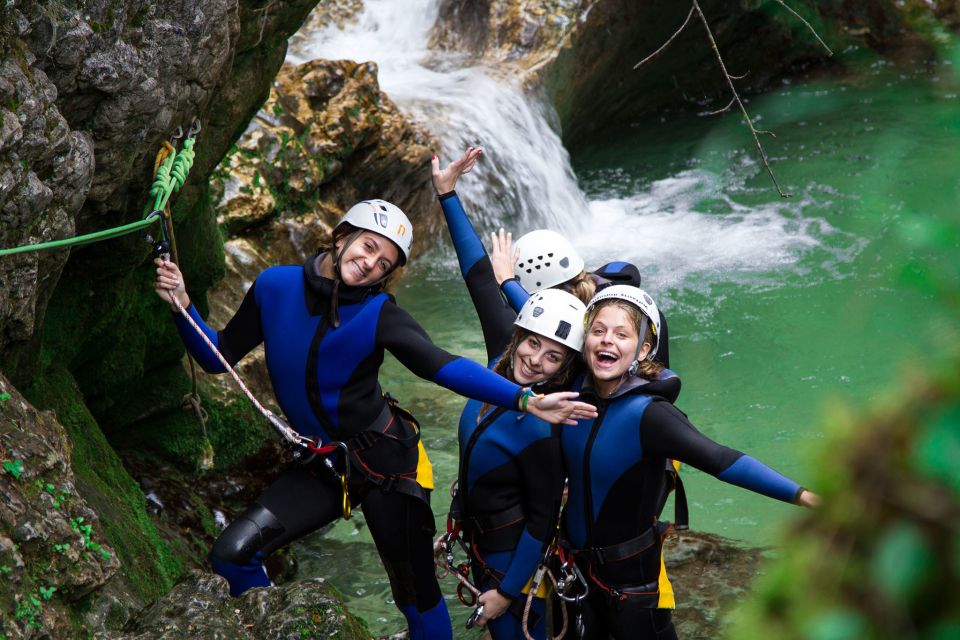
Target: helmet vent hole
530, 271
539, 257
538, 283
549, 255
547, 264
538, 267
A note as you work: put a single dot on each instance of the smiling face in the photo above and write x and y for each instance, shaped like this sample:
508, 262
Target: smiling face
610, 346
366, 260
536, 359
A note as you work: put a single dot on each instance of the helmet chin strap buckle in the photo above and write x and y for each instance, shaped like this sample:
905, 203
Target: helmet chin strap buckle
634, 368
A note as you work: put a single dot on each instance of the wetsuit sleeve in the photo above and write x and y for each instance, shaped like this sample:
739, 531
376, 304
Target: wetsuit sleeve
236, 340
496, 317
666, 432
541, 466
515, 293
402, 336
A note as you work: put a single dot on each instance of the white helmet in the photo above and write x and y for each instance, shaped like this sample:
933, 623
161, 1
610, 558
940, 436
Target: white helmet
546, 260
638, 298
556, 315
384, 218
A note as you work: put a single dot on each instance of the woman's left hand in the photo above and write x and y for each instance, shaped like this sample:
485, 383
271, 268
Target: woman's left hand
560, 408
809, 499
494, 605
445, 180
503, 256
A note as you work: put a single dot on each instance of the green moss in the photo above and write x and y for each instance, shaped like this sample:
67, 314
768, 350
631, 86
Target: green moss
235, 429
148, 565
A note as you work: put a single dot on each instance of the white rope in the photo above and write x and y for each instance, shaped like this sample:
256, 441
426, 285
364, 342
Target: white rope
281, 427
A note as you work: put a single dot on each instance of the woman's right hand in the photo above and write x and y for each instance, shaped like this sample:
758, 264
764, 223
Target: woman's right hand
170, 280
445, 180
560, 408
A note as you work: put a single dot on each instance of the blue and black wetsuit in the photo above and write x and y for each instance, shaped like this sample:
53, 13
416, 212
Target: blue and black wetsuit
615, 466
511, 473
325, 381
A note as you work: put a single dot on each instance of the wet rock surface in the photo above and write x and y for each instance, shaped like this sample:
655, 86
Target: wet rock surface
583, 53
52, 551
200, 606
710, 574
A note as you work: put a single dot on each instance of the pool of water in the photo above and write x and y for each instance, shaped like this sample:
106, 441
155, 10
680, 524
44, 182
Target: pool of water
777, 308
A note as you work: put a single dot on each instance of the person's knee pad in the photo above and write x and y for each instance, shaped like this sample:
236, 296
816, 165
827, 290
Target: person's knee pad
254, 529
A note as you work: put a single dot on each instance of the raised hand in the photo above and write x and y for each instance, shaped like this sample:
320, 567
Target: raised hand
503, 256
445, 180
170, 280
560, 408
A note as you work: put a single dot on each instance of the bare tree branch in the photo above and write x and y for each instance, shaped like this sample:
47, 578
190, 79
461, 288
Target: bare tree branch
809, 26
667, 43
732, 102
736, 98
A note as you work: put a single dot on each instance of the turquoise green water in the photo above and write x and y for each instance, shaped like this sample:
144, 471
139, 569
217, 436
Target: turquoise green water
776, 308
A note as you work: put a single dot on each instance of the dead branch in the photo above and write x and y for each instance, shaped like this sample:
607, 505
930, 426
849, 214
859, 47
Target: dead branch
719, 111
667, 43
809, 26
736, 97
695, 8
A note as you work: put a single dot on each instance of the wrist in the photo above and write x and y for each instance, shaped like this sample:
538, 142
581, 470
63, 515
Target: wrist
444, 195
524, 397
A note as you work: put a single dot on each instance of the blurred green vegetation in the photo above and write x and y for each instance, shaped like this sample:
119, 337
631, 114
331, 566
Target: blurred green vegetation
881, 558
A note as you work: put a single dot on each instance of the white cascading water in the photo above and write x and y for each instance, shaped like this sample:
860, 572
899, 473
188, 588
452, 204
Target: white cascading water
525, 180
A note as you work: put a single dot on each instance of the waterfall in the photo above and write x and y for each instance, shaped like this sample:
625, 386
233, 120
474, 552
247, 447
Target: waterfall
525, 180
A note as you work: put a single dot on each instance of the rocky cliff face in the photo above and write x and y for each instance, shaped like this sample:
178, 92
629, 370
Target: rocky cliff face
583, 52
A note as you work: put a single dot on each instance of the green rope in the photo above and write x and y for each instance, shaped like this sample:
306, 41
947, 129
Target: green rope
106, 234
172, 174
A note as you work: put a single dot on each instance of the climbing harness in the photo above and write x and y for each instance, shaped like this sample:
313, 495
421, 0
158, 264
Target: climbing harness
467, 592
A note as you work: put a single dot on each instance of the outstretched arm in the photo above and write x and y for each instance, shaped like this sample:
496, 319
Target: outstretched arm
496, 318
666, 432
402, 336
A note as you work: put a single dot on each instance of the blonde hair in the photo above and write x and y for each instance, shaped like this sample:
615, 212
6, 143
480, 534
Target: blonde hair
582, 286
648, 369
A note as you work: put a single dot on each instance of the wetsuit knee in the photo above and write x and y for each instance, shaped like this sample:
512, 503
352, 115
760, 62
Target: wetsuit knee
251, 532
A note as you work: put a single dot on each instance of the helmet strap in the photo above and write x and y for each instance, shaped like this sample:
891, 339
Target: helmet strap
337, 279
635, 365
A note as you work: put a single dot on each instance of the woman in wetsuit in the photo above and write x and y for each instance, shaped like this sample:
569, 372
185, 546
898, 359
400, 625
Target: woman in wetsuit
325, 326
615, 466
510, 480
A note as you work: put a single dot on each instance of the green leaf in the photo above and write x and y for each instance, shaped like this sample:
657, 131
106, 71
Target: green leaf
3, 398
840, 624
14, 467
902, 562
938, 449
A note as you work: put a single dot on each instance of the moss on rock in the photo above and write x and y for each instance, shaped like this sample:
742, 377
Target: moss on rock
149, 566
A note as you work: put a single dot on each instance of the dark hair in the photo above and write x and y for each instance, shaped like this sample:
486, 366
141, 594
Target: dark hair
346, 231
560, 380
